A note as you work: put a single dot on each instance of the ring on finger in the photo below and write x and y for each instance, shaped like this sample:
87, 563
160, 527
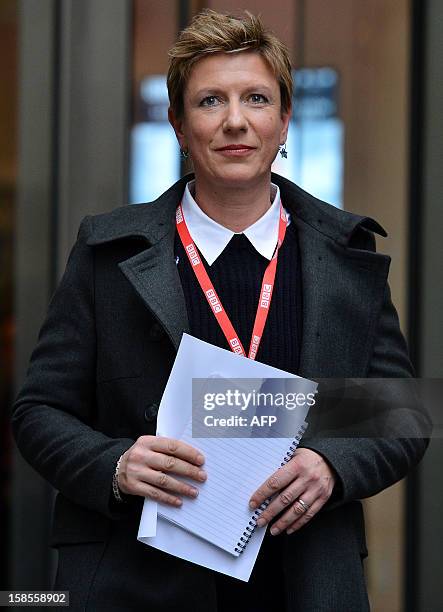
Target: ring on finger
303, 504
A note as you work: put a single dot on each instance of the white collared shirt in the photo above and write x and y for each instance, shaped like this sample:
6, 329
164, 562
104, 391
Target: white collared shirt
211, 238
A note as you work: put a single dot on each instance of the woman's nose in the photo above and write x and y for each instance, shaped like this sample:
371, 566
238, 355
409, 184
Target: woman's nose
235, 119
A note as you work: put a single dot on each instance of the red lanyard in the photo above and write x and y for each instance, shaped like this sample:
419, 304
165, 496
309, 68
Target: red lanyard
212, 297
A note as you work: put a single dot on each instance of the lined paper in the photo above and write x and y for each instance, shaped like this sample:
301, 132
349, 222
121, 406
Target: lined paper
236, 467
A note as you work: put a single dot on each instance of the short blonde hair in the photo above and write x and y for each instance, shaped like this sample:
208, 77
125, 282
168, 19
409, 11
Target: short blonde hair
212, 32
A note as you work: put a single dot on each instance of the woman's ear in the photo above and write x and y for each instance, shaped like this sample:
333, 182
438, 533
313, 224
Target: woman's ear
285, 118
177, 125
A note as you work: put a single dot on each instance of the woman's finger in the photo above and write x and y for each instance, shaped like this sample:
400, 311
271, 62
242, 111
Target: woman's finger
146, 490
301, 520
282, 500
296, 511
171, 464
154, 478
276, 482
176, 448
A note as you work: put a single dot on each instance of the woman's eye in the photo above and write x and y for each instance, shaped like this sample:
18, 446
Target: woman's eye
258, 98
209, 101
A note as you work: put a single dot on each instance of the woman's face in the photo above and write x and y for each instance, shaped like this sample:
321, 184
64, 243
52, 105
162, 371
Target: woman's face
232, 122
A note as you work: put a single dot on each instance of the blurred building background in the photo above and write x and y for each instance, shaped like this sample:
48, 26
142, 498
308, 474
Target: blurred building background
83, 129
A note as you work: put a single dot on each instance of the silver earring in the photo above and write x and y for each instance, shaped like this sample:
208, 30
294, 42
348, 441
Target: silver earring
184, 153
283, 151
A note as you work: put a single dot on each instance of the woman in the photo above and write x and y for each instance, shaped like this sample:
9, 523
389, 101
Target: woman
85, 418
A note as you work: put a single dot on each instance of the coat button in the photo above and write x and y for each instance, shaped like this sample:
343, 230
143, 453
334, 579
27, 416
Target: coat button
156, 332
151, 413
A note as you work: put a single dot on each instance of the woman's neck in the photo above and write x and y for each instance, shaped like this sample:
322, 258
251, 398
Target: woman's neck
236, 208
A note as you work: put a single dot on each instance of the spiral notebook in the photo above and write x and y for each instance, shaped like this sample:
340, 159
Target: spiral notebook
236, 467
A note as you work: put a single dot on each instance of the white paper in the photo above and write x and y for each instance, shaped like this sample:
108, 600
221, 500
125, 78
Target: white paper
198, 359
241, 465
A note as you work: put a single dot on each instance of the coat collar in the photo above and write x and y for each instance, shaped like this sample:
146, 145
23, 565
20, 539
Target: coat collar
342, 289
154, 220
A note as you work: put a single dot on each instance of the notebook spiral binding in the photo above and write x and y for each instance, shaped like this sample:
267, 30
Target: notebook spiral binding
247, 534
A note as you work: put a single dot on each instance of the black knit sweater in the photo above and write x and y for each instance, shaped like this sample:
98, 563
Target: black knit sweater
237, 275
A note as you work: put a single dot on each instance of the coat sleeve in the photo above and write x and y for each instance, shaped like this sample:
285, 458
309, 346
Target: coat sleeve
365, 466
53, 414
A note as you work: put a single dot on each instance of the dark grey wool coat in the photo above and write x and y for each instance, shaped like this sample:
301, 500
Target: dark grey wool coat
99, 369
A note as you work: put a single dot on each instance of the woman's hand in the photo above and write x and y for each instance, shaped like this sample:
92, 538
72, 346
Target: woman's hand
146, 466
301, 487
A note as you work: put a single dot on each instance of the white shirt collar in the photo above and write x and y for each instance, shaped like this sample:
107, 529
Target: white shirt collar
211, 238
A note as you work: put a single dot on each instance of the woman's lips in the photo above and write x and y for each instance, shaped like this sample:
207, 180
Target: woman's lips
236, 150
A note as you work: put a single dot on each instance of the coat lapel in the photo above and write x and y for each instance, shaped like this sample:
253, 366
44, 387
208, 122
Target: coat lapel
341, 302
152, 272
342, 287
314, 298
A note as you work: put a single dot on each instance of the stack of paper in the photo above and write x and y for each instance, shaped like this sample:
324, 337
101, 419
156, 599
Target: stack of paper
207, 528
